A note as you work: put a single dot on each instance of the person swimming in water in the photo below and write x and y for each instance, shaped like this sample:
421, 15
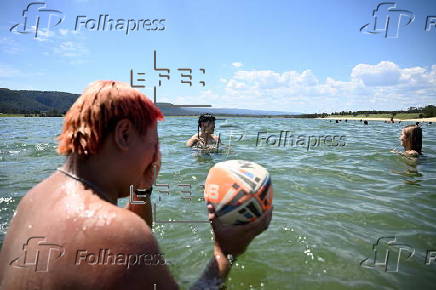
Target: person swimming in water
68, 232
204, 139
411, 140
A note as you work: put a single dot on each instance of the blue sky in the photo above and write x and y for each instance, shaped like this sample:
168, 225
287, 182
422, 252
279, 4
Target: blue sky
298, 56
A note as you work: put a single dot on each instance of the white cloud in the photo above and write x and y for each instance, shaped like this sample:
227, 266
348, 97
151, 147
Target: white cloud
237, 64
43, 34
380, 86
65, 32
10, 46
71, 49
385, 73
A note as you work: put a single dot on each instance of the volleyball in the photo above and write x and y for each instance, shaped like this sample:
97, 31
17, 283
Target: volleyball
240, 191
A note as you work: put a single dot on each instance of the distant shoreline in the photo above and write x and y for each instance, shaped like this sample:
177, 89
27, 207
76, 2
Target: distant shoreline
166, 116
432, 119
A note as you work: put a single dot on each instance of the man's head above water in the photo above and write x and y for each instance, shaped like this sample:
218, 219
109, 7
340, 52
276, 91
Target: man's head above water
113, 127
206, 123
97, 111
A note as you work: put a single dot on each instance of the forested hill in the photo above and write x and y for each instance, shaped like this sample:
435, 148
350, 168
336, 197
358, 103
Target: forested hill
50, 103
33, 102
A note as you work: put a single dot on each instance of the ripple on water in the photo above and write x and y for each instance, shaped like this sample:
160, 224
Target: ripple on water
330, 203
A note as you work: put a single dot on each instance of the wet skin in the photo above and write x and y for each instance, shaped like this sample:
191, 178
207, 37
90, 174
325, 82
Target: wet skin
76, 219
206, 136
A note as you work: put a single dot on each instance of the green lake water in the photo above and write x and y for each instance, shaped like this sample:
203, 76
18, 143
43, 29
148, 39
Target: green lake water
331, 203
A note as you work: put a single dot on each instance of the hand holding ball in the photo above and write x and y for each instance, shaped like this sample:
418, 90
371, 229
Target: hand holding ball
239, 190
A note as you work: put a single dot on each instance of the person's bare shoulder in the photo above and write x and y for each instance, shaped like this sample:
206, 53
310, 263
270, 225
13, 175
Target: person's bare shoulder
103, 245
146, 266
411, 153
127, 254
191, 142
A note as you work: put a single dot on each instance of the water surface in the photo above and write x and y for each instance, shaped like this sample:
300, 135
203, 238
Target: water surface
331, 203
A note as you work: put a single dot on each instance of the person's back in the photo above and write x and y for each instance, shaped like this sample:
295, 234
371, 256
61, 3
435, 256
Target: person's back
69, 233
67, 226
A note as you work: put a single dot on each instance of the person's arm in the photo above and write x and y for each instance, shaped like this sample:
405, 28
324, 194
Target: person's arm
215, 273
229, 240
191, 142
410, 153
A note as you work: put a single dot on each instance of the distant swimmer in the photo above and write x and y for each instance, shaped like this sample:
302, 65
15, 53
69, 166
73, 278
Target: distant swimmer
365, 122
411, 140
204, 139
68, 231
337, 121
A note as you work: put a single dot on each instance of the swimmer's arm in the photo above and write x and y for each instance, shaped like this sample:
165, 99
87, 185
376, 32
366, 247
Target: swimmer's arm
216, 272
191, 142
411, 153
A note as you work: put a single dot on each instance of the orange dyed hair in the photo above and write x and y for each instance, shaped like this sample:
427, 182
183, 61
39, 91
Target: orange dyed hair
97, 111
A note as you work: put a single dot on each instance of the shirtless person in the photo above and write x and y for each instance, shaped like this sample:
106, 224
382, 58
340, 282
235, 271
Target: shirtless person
204, 138
63, 226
